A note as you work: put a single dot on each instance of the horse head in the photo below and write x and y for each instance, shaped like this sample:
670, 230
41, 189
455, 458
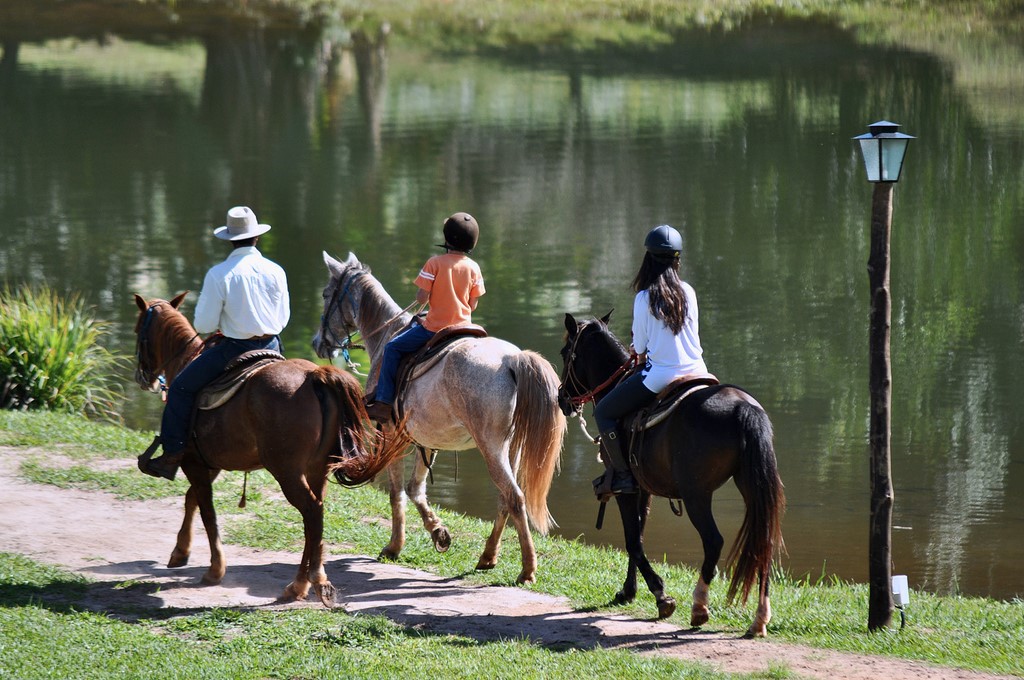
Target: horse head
355, 303
592, 358
340, 305
159, 331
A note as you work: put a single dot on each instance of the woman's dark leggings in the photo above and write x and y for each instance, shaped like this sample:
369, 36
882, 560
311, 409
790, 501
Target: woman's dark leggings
628, 396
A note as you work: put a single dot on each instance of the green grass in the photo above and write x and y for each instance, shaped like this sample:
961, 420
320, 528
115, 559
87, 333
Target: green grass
974, 633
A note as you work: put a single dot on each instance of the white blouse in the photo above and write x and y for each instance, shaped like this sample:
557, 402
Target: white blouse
669, 356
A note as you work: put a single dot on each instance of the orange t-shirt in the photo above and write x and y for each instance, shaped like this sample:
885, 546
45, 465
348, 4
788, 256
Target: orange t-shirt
452, 280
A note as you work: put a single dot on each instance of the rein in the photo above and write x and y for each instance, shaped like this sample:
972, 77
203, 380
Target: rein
579, 401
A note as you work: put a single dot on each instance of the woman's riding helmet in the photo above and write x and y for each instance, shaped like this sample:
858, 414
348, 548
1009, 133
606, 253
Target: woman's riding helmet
664, 241
461, 232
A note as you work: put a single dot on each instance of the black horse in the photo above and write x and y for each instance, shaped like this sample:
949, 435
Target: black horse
715, 433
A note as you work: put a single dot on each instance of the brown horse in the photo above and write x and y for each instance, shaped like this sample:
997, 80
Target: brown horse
298, 420
715, 433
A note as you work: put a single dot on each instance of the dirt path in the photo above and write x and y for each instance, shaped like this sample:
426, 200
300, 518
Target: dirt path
112, 541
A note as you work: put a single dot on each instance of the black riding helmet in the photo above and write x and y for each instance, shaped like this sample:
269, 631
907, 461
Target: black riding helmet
664, 242
461, 232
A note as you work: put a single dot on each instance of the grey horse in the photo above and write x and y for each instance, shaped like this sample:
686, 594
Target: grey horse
483, 392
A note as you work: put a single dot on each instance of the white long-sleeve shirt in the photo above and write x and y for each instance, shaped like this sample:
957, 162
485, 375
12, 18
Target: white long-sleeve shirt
669, 355
246, 295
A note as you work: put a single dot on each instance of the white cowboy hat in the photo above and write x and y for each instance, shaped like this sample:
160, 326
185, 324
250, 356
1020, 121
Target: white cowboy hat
241, 224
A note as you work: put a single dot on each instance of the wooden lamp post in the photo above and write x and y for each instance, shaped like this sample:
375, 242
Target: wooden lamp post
883, 148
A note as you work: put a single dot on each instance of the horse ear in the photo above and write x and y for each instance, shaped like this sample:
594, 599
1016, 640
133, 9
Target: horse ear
604, 319
352, 260
178, 298
570, 324
141, 302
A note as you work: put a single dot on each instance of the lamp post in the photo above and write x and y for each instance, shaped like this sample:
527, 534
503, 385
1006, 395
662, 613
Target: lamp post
883, 148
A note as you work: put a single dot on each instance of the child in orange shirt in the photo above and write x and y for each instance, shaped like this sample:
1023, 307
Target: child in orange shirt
451, 285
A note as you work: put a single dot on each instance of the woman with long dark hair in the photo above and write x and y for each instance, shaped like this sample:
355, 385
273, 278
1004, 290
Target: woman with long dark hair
666, 340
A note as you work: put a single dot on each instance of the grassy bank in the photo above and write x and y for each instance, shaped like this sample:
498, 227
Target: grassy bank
69, 451
645, 24
971, 35
978, 41
963, 27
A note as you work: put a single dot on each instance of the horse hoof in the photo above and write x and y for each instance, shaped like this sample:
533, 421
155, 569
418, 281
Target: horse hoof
699, 615
756, 631
387, 555
666, 607
622, 597
326, 593
525, 578
484, 565
295, 592
441, 538
178, 559
211, 579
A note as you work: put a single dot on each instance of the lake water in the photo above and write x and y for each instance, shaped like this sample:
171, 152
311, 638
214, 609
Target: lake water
117, 162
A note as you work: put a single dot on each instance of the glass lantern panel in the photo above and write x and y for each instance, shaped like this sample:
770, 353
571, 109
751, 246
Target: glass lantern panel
869, 149
893, 151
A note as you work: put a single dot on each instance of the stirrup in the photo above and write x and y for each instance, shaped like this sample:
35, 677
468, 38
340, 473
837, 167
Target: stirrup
623, 483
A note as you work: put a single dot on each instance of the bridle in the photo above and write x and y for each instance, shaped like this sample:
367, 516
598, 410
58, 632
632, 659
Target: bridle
142, 343
327, 334
572, 380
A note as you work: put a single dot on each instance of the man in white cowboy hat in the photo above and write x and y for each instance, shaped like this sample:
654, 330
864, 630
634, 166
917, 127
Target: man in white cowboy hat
245, 298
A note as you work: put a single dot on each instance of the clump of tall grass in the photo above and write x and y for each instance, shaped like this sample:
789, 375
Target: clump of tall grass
51, 357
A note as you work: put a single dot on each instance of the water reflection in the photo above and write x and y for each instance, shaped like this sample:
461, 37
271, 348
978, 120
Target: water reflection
111, 182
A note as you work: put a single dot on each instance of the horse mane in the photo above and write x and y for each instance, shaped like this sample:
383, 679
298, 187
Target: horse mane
173, 334
177, 325
377, 309
613, 343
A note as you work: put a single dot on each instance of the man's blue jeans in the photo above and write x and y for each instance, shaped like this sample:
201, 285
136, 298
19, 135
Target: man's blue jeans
181, 396
405, 342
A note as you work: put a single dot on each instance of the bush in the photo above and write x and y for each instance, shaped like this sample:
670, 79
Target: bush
50, 355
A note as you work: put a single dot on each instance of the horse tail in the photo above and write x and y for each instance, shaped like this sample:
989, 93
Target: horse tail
758, 478
538, 429
347, 421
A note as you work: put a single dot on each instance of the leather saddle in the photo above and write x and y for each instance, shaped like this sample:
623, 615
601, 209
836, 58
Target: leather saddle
415, 364
668, 400
235, 374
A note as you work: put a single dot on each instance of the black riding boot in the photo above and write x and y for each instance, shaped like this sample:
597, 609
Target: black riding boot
614, 446
165, 466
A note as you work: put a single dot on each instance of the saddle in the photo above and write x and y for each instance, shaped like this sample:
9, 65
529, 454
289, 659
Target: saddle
667, 401
415, 364
235, 374
633, 426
